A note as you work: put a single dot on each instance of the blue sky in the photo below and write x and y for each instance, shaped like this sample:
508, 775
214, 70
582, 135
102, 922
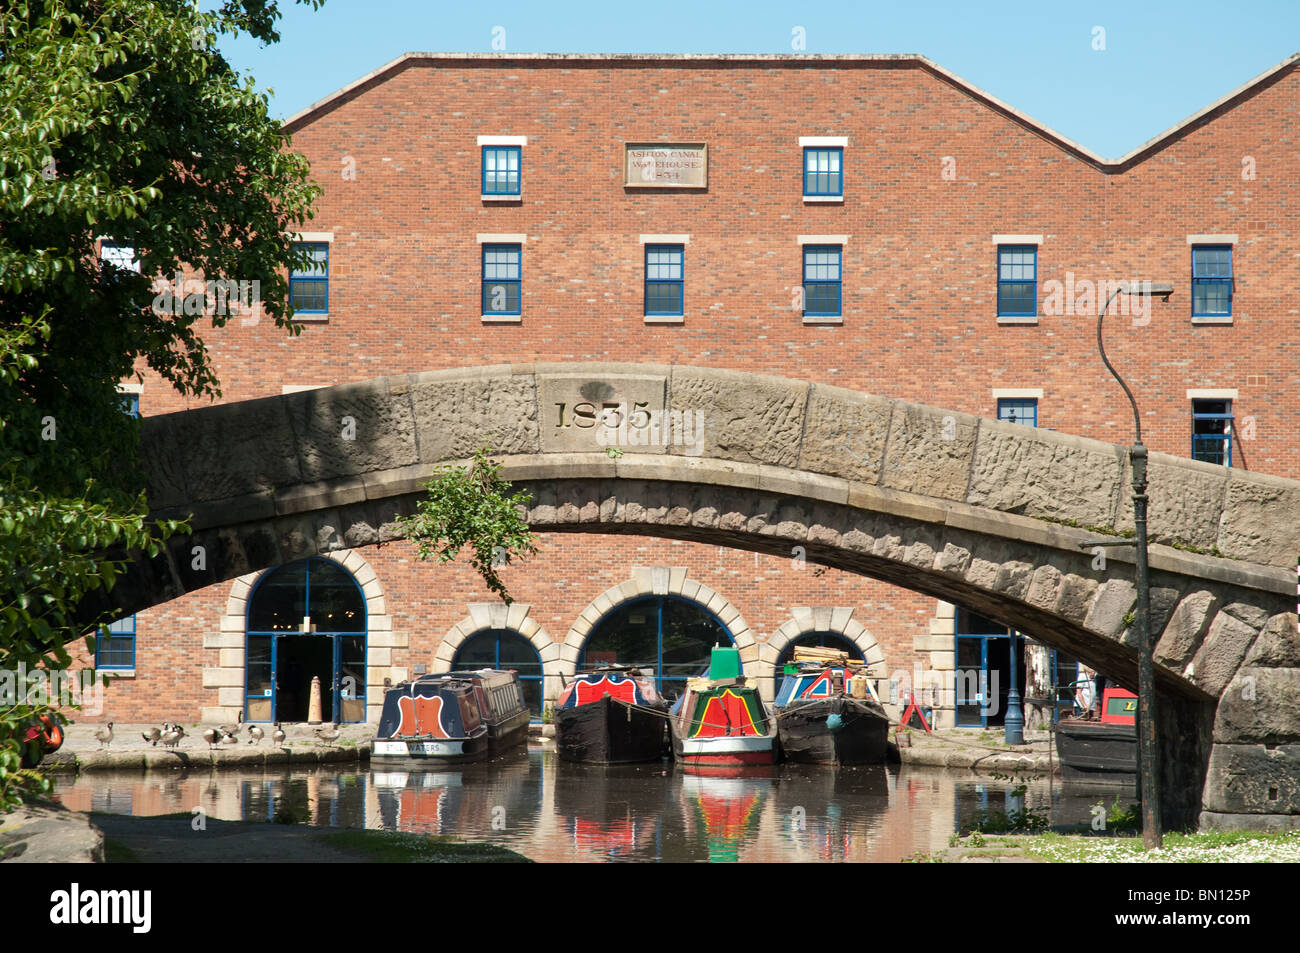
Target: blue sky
1162, 61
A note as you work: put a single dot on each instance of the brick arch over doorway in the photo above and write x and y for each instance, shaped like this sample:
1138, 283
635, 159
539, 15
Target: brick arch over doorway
485, 616
659, 581
964, 509
226, 676
835, 619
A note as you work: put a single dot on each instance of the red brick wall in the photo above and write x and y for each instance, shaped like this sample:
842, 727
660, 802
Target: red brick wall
426, 599
919, 266
919, 285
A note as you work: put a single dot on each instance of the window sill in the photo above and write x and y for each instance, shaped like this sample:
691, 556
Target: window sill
1211, 319
503, 319
1017, 319
117, 672
311, 318
835, 199
501, 198
823, 319
665, 319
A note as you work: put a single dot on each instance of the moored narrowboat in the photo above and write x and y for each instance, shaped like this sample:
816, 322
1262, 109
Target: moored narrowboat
1105, 751
434, 716
827, 713
610, 716
501, 701
462, 716
721, 722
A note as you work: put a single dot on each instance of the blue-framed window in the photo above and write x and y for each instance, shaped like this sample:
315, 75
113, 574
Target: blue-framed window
667, 636
1211, 280
664, 279
823, 171
1018, 410
309, 287
1017, 281
502, 170
1212, 431
502, 278
116, 650
822, 280
505, 649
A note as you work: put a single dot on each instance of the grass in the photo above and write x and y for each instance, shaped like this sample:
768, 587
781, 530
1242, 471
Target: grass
388, 847
115, 852
1200, 848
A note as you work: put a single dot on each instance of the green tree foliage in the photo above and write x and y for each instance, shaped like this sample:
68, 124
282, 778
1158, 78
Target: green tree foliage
119, 120
472, 506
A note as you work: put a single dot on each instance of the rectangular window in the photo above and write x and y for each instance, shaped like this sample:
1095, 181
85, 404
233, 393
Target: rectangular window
502, 276
1211, 280
309, 287
117, 649
131, 404
822, 280
1017, 280
664, 282
1212, 431
823, 171
501, 170
1018, 410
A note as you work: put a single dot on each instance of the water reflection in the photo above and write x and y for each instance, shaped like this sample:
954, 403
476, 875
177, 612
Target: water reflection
551, 810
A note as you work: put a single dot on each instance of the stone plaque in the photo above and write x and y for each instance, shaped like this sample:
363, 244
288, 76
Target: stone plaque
666, 165
588, 415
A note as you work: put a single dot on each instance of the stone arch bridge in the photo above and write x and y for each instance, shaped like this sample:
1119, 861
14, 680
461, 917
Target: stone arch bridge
965, 509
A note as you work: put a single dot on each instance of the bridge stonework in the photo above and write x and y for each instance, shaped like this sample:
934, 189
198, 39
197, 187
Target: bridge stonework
993, 516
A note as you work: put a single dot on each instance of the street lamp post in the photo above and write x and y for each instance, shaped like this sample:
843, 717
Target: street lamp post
1148, 748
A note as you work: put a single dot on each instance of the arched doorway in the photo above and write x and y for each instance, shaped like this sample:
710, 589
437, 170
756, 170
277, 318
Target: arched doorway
668, 636
505, 649
829, 640
306, 619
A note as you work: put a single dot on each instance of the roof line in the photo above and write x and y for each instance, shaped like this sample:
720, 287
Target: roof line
900, 59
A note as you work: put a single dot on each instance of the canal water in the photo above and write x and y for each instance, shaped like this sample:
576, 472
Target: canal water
551, 810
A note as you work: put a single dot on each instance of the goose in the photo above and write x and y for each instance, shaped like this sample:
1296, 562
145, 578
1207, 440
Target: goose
330, 735
153, 734
172, 736
211, 736
105, 735
278, 735
255, 734
228, 738
234, 729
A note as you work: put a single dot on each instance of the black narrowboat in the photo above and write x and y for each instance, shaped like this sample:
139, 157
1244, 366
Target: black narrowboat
610, 716
826, 715
1105, 751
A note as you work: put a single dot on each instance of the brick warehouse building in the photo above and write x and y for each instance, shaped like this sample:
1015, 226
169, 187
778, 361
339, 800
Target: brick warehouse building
871, 222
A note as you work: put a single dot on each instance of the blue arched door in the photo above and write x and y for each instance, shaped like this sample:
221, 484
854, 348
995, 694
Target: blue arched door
305, 620
664, 635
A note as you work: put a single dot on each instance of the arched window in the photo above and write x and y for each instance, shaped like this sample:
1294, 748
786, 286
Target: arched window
829, 640
505, 649
665, 635
306, 620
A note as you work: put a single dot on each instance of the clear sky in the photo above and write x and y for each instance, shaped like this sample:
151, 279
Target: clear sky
1161, 61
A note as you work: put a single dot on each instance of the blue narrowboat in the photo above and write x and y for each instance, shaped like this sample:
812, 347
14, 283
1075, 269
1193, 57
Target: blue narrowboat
461, 716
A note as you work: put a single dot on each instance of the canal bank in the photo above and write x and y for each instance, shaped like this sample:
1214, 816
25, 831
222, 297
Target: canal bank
972, 748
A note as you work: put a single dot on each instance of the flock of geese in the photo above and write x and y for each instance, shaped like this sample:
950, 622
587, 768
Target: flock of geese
170, 734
